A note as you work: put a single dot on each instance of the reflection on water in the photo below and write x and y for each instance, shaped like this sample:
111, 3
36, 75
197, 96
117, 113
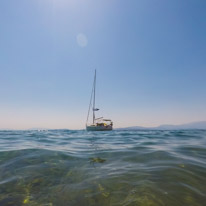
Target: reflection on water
95, 159
62, 167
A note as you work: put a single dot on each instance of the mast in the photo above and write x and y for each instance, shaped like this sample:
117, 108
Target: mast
94, 97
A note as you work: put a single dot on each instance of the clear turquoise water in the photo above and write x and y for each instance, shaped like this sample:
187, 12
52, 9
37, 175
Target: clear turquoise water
118, 168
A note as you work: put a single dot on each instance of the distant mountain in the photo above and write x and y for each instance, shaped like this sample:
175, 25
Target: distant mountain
193, 125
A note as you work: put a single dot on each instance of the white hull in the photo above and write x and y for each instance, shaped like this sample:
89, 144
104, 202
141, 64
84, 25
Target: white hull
99, 128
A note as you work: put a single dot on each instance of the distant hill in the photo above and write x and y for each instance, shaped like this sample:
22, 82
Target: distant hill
193, 125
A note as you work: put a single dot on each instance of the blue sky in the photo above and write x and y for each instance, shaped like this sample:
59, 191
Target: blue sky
150, 58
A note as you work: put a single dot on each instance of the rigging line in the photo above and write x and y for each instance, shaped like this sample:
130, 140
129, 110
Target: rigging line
90, 102
94, 96
89, 105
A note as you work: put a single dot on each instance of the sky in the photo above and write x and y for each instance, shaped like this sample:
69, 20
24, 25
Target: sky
150, 57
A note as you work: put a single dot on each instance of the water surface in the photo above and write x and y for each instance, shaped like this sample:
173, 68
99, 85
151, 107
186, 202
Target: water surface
113, 168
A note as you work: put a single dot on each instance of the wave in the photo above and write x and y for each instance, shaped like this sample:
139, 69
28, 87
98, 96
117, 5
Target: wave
64, 167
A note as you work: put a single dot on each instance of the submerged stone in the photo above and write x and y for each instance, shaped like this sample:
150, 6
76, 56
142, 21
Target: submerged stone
97, 160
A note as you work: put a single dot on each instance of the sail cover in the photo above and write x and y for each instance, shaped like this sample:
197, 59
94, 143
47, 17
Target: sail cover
95, 109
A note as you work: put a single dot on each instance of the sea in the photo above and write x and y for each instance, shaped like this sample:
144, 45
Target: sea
113, 168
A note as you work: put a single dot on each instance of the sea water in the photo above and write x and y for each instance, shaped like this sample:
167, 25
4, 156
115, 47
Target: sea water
113, 168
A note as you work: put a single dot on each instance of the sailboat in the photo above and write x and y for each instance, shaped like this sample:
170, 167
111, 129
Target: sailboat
98, 124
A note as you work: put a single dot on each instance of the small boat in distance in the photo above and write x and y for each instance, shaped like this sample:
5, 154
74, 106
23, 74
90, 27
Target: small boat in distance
98, 124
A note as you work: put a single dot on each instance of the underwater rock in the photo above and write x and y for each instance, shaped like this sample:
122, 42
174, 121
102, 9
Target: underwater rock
97, 160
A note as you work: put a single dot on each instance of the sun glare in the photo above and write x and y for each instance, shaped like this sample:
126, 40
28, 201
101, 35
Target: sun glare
82, 40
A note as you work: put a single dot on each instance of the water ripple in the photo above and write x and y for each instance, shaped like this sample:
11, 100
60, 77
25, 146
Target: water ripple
64, 167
